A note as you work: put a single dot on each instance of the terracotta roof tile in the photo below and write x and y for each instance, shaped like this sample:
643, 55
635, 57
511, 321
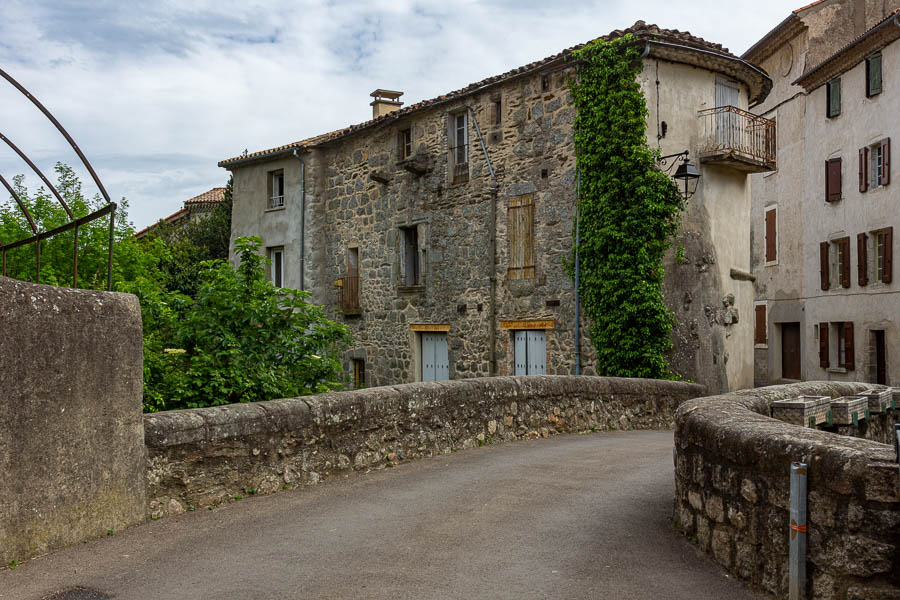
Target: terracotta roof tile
640, 29
212, 196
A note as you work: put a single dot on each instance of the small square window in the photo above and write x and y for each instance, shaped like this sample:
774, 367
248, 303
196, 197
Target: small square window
833, 96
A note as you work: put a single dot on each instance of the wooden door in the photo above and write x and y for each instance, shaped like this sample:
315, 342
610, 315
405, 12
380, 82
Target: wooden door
530, 352
790, 350
435, 357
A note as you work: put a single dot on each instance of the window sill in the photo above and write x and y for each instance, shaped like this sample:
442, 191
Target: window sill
274, 209
772, 263
410, 289
836, 370
761, 346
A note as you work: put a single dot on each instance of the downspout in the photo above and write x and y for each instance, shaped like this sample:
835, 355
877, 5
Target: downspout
302, 219
492, 250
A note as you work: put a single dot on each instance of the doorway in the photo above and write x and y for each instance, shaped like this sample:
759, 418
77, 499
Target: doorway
530, 352
435, 358
790, 350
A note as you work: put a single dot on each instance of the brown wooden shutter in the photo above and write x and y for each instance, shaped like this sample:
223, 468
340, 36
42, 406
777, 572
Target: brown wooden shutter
823, 345
823, 265
888, 254
849, 354
885, 161
845, 263
833, 180
862, 260
771, 233
863, 169
760, 337
520, 219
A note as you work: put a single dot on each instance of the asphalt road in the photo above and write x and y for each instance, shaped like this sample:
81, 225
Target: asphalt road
573, 516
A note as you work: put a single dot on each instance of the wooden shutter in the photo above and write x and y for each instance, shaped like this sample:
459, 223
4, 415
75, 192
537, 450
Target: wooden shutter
863, 169
862, 260
520, 219
823, 345
833, 180
849, 357
845, 262
760, 337
823, 265
888, 253
885, 161
771, 246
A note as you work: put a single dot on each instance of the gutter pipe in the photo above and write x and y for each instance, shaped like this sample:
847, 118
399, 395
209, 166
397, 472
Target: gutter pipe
302, 219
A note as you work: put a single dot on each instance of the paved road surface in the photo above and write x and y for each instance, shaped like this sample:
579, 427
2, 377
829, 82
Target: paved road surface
573, 516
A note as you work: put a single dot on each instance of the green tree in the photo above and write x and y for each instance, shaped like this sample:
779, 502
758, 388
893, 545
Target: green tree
630, 212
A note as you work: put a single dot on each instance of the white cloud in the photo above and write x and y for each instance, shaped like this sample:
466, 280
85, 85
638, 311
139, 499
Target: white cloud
157, 94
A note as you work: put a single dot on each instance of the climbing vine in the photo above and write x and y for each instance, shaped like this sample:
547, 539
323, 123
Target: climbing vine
630, 212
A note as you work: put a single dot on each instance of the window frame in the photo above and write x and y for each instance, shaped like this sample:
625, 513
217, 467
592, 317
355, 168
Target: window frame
520, 218
410, 263
774, 260
831, 87
459, 147
404, 143
276, 265
870, 61
761, 337
275, 179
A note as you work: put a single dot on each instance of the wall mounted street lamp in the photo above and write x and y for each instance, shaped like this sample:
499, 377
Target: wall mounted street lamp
686, 172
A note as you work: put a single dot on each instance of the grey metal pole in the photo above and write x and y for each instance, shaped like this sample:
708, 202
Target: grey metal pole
577, 275
797, 550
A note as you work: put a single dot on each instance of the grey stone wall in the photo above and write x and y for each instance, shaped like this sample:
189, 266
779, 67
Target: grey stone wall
72, 458
207, 456
732, 480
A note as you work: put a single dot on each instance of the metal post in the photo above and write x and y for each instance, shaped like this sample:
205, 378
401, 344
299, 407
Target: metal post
37, 252
577, 275
75, 261
112, 230
797, 551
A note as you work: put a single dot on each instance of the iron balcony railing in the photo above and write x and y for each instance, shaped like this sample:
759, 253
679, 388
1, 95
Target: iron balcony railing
730, 131
348, 293
276, 201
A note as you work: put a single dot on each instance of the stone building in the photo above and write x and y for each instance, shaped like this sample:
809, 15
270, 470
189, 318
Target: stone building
834, 98
193, 209
440, 232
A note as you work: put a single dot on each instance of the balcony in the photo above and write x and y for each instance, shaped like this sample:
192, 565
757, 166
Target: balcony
736, 138
348, 294
276, 202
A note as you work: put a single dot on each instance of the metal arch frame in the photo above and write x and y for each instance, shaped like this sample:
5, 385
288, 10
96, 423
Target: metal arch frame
74, 223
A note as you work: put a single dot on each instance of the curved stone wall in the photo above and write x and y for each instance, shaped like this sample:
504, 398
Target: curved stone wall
732, 484
207, 456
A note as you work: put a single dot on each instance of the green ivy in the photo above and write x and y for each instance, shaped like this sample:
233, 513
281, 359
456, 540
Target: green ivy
630, 212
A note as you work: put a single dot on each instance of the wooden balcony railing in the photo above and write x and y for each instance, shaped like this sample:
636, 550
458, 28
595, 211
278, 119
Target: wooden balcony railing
731, 135
348, 294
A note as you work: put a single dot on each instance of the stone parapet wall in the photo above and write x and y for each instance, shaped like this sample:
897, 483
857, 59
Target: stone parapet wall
203, 457
732, 493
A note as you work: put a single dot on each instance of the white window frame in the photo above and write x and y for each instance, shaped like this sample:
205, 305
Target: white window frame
276, 184
276, 266
876, 176
878, 252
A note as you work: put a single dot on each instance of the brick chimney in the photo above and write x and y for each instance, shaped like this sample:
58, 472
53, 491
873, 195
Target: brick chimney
385, 102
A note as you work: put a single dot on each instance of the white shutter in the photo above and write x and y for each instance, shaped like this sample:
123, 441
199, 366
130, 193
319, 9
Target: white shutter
427, 357
441, 358
537, 352
521, 353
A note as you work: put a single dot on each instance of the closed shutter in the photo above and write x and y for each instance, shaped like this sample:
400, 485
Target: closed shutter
521, 352
760, 337
520, 217
428, 343
845, 262
873, 75
885, 161
823, 265
441, 358
833, 96
537, 352
863, 169
862, 260
833, 180
771, 233
888, 254
823, 345
849, 359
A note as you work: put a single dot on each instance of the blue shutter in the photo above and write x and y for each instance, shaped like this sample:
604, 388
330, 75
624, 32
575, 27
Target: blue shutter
521, 353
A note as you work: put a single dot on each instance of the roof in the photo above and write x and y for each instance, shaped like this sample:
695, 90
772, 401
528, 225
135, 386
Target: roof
784, 31
670, 39
877, 37
171, 220
213, 196
210, 197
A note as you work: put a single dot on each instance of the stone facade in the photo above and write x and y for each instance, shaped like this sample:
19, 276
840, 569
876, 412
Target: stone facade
732, 493
203, 457
788, 286
363, 208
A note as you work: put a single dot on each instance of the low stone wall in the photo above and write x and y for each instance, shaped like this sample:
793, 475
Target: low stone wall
207, 456
72, 457
732, 493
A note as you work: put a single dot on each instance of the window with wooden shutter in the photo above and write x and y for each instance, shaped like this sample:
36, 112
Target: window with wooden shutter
833, 179
760, 333
823, 345
520, 218
863, 169
888, 260
848, 352
844, 261
771, 235
885, 161
824, 265
862, 259
833, 97
873, 75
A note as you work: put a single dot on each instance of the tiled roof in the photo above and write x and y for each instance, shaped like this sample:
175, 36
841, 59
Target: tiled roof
640, 29
212, 196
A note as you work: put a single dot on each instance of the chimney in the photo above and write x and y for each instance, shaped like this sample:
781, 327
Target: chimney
385, 102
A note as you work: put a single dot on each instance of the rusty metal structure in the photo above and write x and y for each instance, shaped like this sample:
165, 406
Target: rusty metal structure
74, 223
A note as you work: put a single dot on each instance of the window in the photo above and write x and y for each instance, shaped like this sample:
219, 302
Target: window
520, 224
873, 75
835, 262
349, 284
875, 165
833, 96
459, 147
833, 180
276, 189
530, 352
862, 259
276, 266
498, 112
884, 254
844, 351
409, 257
760, 337
771, 235
404, 143
359, 373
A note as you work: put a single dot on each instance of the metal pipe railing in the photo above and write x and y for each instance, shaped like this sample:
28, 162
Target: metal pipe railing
730, 130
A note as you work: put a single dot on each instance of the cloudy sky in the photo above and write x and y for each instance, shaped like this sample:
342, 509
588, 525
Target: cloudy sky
157, 92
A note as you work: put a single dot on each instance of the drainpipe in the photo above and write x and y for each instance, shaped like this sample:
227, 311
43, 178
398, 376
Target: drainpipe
797, 543
302, 219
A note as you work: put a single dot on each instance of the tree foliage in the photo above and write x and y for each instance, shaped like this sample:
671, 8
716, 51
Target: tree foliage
629, 214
